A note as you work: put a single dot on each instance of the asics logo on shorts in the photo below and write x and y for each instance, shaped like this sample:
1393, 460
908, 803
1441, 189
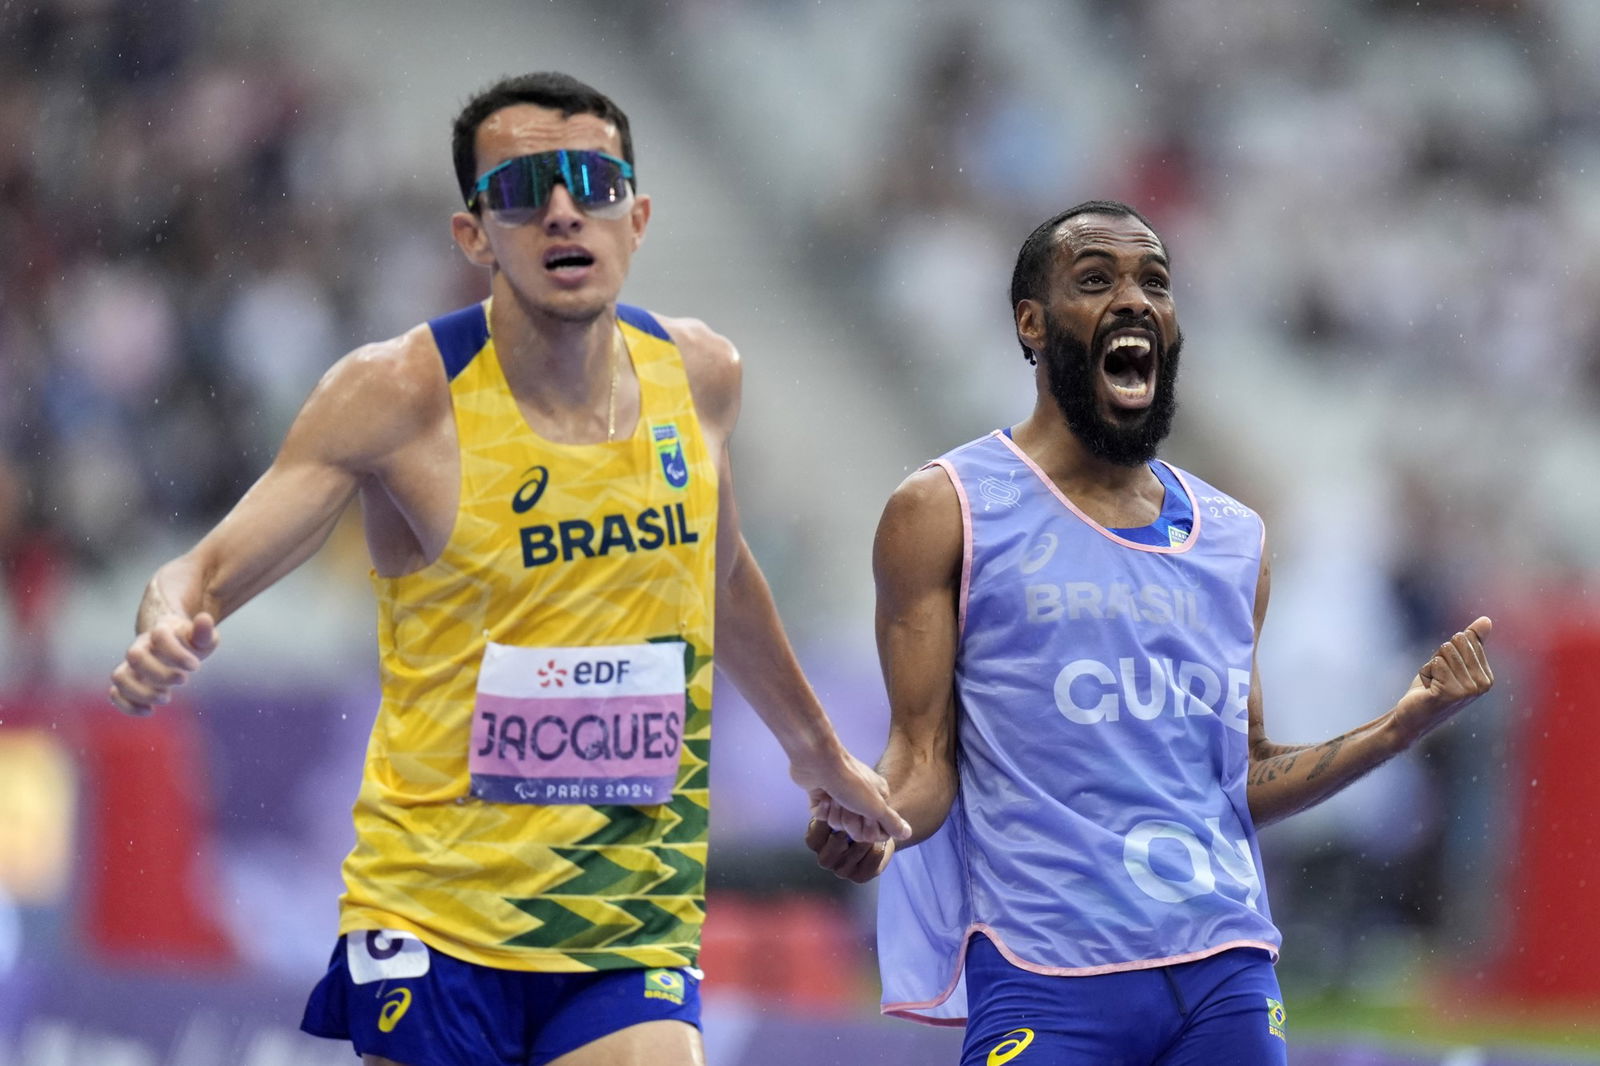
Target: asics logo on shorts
394, 1008
1014, 1044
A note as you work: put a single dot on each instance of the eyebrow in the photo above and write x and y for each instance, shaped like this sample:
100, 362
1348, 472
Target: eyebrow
1102, 253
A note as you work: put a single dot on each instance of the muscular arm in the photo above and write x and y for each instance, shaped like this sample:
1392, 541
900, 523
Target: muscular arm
752, 649
916, 562
356, 416
1283, 778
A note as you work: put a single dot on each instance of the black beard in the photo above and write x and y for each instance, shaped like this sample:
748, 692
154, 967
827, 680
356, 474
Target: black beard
1073, 374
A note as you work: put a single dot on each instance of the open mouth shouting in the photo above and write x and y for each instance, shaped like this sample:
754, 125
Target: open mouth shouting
1128, 365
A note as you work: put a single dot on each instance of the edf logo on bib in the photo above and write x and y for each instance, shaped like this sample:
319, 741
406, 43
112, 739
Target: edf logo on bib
599, 672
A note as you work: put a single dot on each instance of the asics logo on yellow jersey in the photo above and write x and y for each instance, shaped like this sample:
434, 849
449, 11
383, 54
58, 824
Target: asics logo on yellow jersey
650, 529
529, 491
1014, 1044
394, 1008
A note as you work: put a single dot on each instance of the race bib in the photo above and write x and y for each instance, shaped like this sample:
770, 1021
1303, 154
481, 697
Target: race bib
384, 955
578, 725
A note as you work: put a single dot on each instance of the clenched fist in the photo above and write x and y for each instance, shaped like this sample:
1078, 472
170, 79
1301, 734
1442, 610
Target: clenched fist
1457, 674
160, 659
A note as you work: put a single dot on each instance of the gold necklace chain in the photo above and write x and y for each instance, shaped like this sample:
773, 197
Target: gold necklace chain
616, 372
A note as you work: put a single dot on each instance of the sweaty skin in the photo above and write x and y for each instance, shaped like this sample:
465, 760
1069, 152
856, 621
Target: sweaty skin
1106, 268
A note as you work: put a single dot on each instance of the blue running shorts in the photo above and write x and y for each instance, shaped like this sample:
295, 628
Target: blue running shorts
389, 994
1223, 1010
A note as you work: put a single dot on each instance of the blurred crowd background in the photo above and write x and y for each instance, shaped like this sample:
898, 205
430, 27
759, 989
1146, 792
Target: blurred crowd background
1385, 223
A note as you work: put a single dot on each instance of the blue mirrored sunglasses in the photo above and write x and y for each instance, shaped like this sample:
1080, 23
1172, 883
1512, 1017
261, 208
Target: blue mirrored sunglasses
516, 189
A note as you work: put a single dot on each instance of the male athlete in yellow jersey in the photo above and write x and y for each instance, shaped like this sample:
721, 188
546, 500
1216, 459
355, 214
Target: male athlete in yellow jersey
544, 479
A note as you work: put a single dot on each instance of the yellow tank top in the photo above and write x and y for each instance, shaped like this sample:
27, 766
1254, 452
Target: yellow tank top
567, 566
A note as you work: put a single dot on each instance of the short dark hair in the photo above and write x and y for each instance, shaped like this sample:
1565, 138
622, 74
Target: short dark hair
1032, 272
559, 92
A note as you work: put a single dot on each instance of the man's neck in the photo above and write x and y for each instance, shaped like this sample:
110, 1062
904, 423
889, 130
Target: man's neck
1115, 495
548, 361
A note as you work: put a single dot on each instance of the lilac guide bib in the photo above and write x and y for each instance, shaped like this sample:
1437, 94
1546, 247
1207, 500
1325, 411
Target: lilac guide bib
1102, 686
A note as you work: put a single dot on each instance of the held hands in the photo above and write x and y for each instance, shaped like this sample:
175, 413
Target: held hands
1457, 674
160, 659
853, 860
853, 847
848, 795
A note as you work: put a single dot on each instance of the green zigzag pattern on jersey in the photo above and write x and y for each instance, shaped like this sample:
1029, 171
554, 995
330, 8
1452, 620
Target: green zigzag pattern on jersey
677, 875
683, 821
696, 731
562, 929
657, 830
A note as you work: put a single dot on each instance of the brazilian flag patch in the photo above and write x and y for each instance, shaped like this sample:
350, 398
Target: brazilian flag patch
1276, 1018
664, 984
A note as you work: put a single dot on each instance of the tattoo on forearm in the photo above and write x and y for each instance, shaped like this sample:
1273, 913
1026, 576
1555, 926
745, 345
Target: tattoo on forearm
1330, 749
1278, 760
1272, 767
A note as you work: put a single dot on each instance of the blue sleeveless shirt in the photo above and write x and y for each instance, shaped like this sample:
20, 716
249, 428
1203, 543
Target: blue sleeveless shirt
1101, 684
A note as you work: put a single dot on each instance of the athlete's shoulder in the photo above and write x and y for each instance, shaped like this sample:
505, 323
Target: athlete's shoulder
934, 491
703, 348
928, 489
381, 393
921, 530
404, 371
710, 361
